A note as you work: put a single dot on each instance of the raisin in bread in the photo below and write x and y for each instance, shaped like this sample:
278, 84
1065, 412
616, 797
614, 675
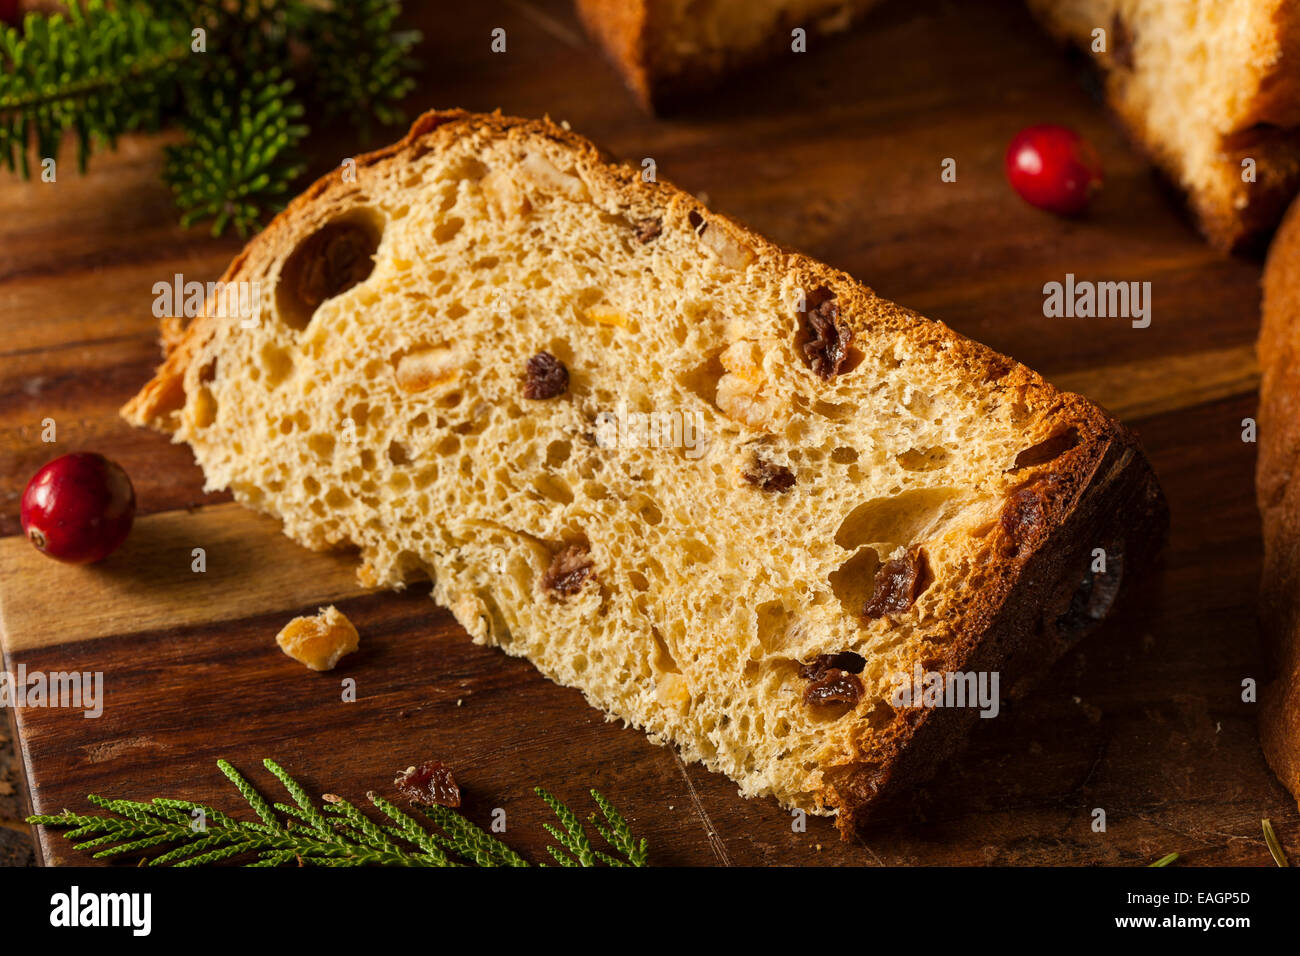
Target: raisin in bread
724, 490
1203, 85
666, 49
1278, 495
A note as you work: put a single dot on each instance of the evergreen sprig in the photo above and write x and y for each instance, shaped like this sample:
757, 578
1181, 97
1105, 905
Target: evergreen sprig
361, 62
239, 155
95, 73
336, 833
237, 91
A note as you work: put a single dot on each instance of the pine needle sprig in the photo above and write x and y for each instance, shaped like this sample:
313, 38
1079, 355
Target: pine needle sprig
404, 827
239, 156
471, 842
335, 833
361, 64
618, 834
250, 795
95, 72
570, 833
236, 79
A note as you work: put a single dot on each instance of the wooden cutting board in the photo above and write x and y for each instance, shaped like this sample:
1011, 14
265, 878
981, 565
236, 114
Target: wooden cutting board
838, 153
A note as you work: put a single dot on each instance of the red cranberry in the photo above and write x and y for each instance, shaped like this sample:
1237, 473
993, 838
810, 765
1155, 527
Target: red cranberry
78, 508
1053, 168
11, 12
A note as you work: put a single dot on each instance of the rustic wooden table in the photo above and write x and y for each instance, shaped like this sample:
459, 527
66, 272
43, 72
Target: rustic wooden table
836, 153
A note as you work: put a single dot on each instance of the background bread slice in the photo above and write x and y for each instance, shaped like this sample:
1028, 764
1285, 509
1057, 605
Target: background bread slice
666, 49
476, 242
1202, 87
1279, 502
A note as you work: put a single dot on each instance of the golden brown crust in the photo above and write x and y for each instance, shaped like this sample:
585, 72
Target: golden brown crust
1097, 492
1278, 496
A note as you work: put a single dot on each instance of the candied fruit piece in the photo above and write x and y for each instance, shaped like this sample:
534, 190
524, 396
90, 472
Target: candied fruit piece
319, 641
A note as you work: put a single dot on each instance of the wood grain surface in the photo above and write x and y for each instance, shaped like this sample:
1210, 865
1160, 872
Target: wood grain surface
837, 153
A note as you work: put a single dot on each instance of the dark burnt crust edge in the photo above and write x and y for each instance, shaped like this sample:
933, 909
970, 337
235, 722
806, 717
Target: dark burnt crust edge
1115, 498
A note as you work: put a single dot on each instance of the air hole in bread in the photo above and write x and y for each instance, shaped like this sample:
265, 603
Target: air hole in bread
447, 230
322, 445
923, 459
854, 581
663, 660
554, 488
836, 412
702, 379
1049, 449
475, 425
203, 409
645, 509
326, 264
898, 520
469, 168
773, 623
277, 362
557, 453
